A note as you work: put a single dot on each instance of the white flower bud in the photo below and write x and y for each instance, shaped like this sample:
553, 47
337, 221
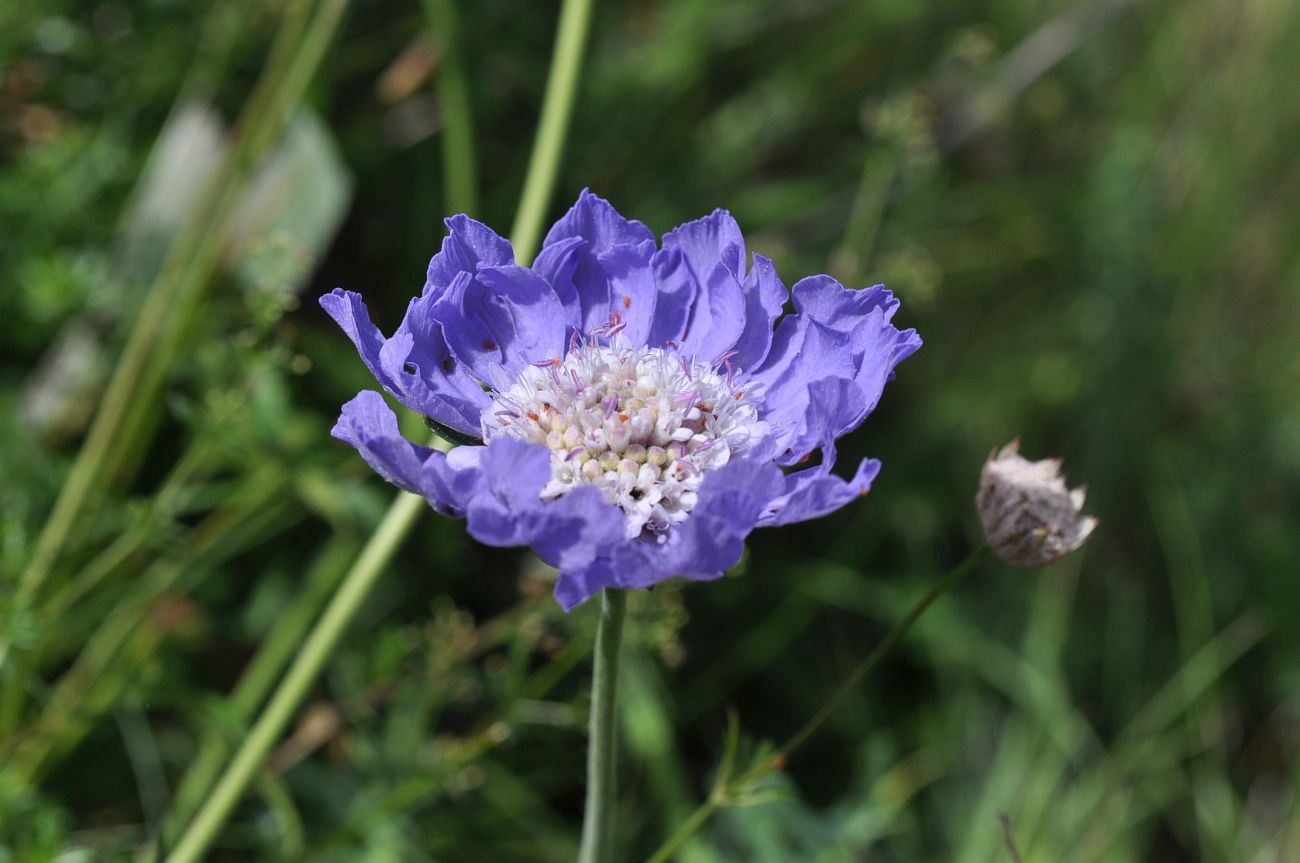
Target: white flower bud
1029, 516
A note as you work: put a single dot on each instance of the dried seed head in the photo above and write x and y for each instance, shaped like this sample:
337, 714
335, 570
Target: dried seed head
1029, 516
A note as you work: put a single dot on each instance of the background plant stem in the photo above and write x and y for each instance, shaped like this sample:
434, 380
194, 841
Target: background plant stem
598, 821
459, 166
194, 842
557, 105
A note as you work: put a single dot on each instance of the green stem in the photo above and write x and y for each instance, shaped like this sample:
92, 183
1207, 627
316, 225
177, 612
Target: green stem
682, 834
557, 105
598, 821
459, 171
251, 143
257, 680
194, 842
777, 759
873, 659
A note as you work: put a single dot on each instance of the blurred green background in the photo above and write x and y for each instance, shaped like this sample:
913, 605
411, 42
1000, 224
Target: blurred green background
1091, 212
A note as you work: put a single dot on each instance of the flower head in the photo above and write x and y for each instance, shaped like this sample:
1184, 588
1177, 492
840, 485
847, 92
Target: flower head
1029, 516
636, 409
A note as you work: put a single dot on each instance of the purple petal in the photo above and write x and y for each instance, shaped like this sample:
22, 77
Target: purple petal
632, 289
834, 404
731, 502
712, 253
706, 242
558, 264
765, 296
676, 291
718, 317
826, 300
367, 424
468, 245
814, 493
431, 386
567, 533
878, 346
595, 220
503, 317
803, 352
450, 483
572, 254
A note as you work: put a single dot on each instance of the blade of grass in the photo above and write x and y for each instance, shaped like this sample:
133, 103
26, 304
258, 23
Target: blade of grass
258, 678
459, 165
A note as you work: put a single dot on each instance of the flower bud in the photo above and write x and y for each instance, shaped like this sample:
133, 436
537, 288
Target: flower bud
1029, 516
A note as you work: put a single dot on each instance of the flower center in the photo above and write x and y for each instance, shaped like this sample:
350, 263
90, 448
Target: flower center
643, 426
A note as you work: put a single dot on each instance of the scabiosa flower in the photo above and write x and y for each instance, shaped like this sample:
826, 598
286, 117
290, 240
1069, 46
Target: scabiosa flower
1029, 516
631, 411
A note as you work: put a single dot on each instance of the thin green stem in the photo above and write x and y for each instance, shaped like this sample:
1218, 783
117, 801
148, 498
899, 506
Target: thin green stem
598, 820
459, 168
194, 842
557, 106
256, 681
683, 833
873, 659
252, 142
721, 794
854, 254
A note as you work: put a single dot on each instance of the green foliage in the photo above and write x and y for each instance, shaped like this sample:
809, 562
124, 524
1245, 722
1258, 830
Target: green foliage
1089, 212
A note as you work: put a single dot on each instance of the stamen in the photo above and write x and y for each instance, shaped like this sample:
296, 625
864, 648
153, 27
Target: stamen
726, 356
644, 425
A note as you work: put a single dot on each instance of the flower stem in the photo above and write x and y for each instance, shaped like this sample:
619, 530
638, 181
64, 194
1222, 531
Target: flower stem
597, 822
557, 105
777, 759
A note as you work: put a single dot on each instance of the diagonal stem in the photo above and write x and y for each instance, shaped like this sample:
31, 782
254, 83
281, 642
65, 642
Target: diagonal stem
873, 659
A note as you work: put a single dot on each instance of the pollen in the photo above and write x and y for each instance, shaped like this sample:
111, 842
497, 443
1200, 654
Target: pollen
644, 426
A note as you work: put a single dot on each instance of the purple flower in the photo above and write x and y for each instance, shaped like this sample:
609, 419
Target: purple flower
631, 406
